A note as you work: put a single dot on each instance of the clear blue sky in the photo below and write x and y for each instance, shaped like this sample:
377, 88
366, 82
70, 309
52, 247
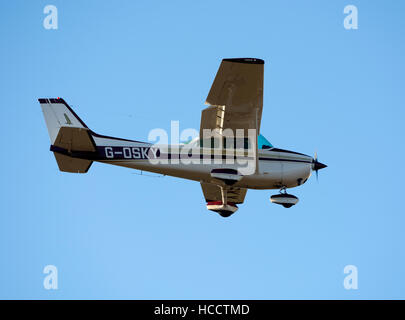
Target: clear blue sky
128, 67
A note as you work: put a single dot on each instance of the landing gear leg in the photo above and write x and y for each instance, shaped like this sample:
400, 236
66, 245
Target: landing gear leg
224, 196
283, 190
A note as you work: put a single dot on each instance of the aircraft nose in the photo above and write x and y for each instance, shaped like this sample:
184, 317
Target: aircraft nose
316, 165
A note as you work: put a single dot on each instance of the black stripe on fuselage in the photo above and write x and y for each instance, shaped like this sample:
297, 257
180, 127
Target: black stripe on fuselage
100, 154
287, 151
281, 159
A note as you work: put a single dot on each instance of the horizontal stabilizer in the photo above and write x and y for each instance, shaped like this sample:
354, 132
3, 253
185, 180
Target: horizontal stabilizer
73, 139
69, 164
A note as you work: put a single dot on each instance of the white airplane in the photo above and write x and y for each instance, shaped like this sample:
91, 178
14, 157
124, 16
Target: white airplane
226, 164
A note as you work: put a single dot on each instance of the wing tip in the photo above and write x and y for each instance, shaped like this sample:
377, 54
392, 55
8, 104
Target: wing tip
245, 60
51, 100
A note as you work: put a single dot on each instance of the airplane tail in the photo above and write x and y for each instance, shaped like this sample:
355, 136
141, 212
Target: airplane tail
67, 133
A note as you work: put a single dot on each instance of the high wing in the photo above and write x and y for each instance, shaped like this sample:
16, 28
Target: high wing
212, 193
235, 102
236, 96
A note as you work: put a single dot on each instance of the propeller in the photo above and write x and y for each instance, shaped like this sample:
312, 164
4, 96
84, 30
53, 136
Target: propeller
316, 165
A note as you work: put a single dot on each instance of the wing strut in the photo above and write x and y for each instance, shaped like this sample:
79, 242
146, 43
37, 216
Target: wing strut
224, 195
257, 145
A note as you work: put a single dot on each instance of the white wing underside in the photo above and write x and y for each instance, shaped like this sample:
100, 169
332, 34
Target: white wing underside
236, 97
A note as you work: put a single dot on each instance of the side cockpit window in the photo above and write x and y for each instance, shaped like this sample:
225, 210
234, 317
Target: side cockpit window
232, 143
227, 143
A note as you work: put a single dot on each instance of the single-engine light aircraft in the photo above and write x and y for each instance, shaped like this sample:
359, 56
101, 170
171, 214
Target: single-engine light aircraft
228, 157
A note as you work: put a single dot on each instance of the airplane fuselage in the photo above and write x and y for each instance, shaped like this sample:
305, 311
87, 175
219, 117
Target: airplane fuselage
277, 168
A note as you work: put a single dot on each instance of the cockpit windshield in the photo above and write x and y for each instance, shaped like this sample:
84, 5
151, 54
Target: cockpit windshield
263, 143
